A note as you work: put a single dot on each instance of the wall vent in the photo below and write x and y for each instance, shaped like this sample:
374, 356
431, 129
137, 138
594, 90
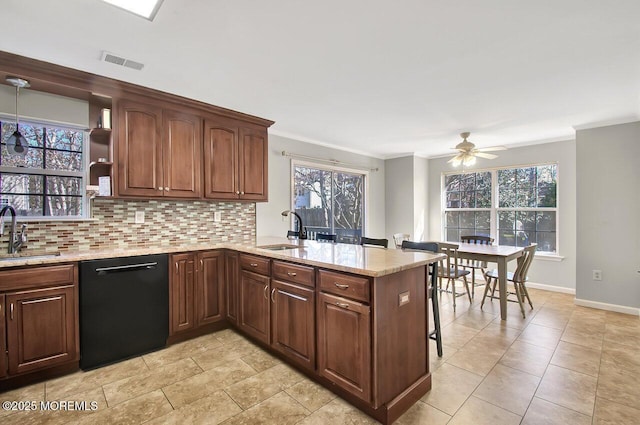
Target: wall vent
119, 60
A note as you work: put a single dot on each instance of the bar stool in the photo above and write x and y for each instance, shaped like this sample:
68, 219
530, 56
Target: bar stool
435, 334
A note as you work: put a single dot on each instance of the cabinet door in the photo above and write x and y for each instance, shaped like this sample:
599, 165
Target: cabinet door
220, 160
181, 287
210, 287
182, 153
292, 321
344, 344
3, 339
232, 271
140, 166
253, 164
254, 305
41, 328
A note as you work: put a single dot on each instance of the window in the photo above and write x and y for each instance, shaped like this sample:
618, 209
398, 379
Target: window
49, 180
516, 206
330, 201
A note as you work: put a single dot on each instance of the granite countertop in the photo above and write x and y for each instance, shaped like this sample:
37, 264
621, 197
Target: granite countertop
368, 261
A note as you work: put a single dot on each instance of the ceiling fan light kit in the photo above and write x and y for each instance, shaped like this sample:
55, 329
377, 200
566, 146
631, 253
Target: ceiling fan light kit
467, 152
17, 144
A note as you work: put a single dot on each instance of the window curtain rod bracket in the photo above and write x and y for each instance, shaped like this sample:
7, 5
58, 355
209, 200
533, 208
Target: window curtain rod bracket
328, 161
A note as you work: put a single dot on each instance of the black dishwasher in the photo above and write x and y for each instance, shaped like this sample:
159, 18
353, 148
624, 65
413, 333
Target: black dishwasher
124, 308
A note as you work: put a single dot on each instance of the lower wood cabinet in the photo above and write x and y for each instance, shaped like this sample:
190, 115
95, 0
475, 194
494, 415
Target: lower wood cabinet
3, 340
254, 305
210, 303
196, 290
344, 344
232, 277
38, 318
41, 328
293, 322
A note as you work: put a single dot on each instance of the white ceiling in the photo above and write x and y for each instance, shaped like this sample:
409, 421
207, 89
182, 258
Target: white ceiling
380, 77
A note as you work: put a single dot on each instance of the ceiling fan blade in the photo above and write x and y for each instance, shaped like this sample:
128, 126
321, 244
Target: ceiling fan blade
457, 157
492, 149
485, 155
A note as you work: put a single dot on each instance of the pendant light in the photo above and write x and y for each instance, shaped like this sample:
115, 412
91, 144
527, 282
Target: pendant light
17, 144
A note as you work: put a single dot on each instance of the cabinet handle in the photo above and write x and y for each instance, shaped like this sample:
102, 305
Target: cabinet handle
237, 192
166, 189
266, 289
241, 193
341, 285
176, 267
254, 264
11, 309
292, 274
160, 188
273, 291
342, 305
201, 264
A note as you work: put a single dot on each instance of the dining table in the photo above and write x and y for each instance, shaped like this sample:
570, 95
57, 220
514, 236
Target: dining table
499, 254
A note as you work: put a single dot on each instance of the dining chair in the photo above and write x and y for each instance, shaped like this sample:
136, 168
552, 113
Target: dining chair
517, 278
452, 270
375, 242
398, 238
326, 237
475, 264
435, 334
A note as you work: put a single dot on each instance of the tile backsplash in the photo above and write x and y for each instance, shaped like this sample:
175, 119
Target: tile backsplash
166, 222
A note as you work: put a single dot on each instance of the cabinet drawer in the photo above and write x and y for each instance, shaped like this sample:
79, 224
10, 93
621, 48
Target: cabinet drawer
255, 264
345, 285
293, 273
59, 274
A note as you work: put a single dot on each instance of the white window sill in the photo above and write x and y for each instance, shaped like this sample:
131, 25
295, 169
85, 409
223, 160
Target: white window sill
548, 257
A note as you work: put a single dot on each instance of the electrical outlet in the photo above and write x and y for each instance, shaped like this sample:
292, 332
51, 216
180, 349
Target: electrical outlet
139, 217
217, 216
597, 275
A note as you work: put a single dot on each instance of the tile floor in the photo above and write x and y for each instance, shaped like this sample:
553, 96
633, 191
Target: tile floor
563, 364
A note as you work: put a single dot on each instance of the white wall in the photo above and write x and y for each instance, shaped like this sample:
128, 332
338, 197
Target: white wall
269, 222
608, 201
406, 196
543, 271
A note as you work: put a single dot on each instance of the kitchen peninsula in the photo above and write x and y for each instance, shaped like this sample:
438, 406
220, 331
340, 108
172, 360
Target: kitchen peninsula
353, 318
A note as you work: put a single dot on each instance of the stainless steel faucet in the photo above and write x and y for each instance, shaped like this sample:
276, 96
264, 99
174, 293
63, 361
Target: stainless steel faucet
301, 229
16, 239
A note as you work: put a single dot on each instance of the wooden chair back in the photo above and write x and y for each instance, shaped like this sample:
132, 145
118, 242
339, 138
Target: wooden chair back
326, 237
398, 238
372, 241
524, 262
477, 239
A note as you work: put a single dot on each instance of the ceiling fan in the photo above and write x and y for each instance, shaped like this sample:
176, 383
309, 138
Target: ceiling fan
467, 152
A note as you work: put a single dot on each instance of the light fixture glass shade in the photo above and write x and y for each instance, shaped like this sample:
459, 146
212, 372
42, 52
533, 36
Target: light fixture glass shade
469, 160
17, 144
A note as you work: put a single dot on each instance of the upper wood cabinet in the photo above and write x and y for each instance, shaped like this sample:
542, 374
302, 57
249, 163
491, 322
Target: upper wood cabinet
159, 152
235, 161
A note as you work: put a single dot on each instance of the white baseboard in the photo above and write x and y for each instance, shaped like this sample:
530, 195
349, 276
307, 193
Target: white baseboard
551, 288
609, 307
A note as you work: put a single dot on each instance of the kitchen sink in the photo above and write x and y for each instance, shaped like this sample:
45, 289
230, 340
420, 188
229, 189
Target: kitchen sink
280, 247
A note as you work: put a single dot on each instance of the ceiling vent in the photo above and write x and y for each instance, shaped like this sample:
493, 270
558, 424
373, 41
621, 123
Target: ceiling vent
119, 60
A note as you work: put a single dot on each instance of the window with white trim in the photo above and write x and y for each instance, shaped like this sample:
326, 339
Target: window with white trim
49, 180
330, 200
515, 206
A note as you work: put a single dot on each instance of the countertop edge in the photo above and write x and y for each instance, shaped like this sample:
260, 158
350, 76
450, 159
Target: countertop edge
75, 256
